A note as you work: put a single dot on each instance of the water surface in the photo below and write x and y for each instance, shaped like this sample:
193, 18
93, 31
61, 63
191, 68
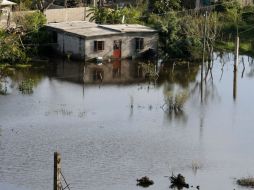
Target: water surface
106, 143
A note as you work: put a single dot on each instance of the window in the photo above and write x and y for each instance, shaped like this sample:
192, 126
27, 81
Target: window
139, 43
98, 45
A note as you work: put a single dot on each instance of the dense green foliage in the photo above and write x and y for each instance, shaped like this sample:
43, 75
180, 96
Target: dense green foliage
103, 15
34, 33
163, 6
237, 21
182, 32
17, 45
10, 48
181, 36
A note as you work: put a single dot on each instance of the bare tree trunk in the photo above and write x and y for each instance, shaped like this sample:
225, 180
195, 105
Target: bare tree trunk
43, 5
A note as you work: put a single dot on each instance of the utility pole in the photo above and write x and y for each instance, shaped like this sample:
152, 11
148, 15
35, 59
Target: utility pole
203, 58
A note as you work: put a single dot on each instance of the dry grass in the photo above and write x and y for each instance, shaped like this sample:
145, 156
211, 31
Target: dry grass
247, 182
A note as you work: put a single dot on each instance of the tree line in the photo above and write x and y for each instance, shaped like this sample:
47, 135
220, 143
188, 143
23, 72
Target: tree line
181, 30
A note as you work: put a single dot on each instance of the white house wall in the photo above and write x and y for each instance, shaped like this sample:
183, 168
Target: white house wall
128, 45
80, 48
73, 45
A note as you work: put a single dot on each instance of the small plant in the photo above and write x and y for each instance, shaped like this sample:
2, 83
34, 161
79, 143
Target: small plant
144, 182
178, 181
196, 165
175, 102
247, 182
26, 86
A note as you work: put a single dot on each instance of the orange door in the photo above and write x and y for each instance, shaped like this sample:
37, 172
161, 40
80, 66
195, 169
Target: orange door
117, 49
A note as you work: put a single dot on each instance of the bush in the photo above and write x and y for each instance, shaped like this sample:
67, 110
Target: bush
226, 5
34, 32
31, 22
10, 48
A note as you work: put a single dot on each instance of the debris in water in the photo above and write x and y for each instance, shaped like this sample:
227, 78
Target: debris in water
178, 181
144, 182
247, 182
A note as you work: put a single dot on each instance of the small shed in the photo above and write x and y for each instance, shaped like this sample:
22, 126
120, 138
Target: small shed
86, 40
6, 8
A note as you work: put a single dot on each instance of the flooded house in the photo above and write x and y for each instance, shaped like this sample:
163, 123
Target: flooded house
116, 72
86, 40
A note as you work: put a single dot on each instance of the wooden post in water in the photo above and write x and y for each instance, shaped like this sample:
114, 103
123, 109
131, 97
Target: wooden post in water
236, 53
57, 171
235, 67
235, 85
203, 58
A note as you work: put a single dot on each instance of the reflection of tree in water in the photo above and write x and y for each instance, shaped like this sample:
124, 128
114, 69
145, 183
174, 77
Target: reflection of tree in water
14, 77
210, 92
178, 73
174, 100
251, 65
176, 79
3, 86
224, 58
148, 70
4, 82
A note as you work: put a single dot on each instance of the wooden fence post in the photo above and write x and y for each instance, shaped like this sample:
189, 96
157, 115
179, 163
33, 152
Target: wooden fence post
57, 171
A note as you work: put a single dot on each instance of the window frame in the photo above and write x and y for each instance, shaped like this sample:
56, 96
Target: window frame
139, 43
99, 45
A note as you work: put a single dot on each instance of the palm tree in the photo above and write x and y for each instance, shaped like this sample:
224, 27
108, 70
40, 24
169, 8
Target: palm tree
99, 15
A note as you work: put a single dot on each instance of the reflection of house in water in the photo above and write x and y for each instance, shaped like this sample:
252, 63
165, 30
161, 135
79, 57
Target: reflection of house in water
115, 72
69, 71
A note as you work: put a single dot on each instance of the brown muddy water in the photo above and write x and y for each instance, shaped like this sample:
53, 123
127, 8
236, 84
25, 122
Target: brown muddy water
115, 126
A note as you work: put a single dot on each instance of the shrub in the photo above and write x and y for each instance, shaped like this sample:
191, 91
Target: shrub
10, 48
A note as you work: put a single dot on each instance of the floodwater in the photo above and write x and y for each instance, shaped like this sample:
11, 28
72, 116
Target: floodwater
112, 126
